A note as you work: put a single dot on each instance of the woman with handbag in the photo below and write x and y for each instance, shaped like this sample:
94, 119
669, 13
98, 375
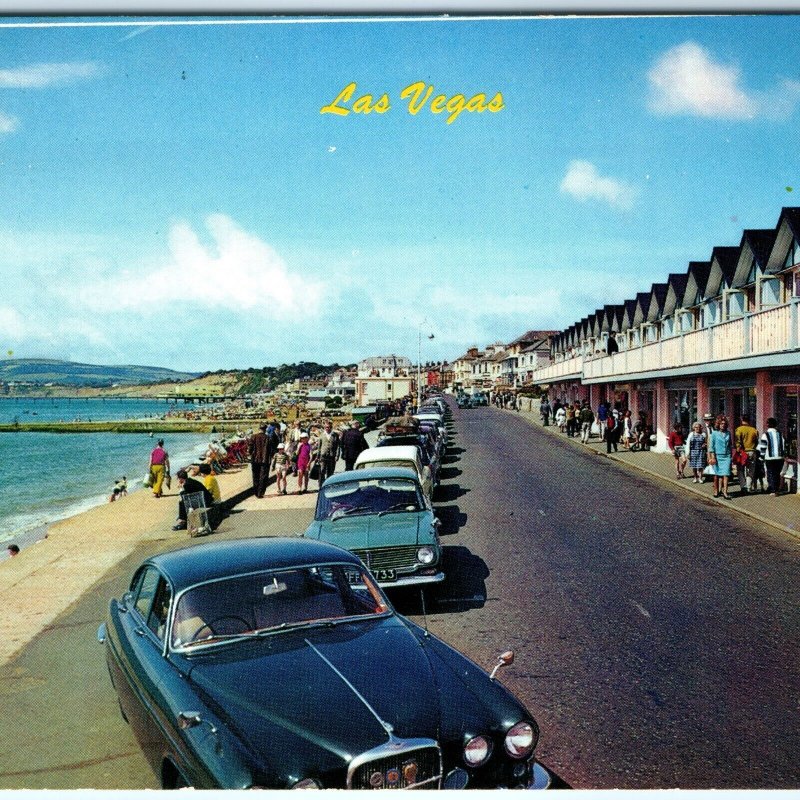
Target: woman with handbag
719, 454
303, 463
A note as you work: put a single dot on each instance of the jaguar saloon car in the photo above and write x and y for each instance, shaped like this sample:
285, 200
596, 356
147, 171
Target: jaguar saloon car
279, 663
381, 515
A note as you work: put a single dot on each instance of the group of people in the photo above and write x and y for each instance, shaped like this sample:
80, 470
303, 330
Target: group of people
610, 423
294, 451
712, 447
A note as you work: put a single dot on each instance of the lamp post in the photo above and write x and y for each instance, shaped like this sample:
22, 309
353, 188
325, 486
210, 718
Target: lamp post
419, 361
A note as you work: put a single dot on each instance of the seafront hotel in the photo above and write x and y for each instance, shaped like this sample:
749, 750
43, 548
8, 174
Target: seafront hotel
723, 337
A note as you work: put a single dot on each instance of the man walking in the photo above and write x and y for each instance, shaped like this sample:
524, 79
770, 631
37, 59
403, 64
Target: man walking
327, 451
771, 447
259, 460
544, 410
586, 419
746, 436
353, 444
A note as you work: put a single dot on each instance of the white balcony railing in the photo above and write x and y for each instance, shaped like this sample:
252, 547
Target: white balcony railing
772, 330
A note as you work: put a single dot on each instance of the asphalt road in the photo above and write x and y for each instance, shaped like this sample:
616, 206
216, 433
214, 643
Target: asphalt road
656, 635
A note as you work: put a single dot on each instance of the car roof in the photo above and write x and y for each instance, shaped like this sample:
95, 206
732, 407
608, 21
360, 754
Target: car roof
213, 560
372, 473
404, 451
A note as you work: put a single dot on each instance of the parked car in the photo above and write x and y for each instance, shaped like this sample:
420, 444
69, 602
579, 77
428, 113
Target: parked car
279, 663
428, 451
405, 455
383, 516
435, 418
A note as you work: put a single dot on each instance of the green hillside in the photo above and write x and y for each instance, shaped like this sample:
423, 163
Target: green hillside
68, 373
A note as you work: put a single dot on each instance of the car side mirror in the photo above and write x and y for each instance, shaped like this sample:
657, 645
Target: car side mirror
503, 660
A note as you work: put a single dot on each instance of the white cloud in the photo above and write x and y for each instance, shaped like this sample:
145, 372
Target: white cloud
584, 182
240, 272
39, 76
8, 124
687, 80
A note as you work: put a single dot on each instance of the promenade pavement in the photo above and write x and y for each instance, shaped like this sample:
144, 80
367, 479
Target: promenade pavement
781, 512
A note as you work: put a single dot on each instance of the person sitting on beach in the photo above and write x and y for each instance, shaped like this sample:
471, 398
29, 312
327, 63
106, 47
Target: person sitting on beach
12, 550
190, 486
122, 485
114, 495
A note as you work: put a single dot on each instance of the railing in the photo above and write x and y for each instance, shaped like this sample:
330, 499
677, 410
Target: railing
772, 330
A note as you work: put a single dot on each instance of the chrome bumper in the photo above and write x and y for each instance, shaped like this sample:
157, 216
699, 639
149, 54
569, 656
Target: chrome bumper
412, 580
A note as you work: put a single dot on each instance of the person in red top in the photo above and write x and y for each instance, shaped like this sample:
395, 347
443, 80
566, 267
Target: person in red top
677, 443
159, 467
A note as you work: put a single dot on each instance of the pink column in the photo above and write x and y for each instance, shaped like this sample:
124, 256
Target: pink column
661, 424
765, 399
703, 397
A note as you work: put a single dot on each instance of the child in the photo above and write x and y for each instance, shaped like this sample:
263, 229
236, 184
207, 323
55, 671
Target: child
122, 485
114, 495
759, 472
282, 464
739, 458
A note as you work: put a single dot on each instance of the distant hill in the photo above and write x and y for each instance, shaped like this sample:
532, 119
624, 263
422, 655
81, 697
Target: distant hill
68, 373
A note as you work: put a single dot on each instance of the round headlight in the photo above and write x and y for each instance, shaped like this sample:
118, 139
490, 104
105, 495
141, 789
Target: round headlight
520, 740
426, 555
477, 751
306, 783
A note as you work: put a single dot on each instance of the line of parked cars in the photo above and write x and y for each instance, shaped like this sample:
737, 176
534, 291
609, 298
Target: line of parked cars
280, 663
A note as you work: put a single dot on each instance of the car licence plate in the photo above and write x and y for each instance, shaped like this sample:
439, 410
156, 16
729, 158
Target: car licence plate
384, 574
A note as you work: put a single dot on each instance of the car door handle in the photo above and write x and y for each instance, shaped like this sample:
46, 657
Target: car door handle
139, 631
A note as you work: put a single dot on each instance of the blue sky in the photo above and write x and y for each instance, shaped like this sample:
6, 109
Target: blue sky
172, 195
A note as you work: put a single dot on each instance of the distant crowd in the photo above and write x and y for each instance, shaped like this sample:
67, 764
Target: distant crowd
709, 449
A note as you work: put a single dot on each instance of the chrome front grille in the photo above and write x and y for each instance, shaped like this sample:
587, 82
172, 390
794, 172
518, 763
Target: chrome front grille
398, 765
389, 557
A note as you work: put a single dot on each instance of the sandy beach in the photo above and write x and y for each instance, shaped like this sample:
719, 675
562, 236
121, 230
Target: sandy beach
51, 574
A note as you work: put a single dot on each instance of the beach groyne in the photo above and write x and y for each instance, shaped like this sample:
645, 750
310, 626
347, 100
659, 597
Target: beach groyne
162, 426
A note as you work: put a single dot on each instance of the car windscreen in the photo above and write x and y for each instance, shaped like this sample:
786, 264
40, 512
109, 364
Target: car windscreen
248, 605
368, 496
415, 440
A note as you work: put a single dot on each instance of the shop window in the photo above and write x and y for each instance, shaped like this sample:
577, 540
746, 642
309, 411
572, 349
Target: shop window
770, 292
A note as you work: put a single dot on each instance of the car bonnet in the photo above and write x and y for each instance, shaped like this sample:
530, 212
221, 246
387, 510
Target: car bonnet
319, 696
370, 530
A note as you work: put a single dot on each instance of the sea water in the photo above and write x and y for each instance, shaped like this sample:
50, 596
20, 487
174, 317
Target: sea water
45, 477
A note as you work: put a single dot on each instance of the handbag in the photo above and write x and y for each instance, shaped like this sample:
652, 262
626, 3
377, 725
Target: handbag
313, 473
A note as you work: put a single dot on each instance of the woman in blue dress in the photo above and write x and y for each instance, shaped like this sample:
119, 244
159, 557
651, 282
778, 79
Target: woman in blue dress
720, 446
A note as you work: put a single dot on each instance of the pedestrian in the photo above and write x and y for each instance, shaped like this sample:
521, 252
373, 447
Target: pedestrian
353, 444
696, 445
189, 486
739, 460
159, 467
570, 419
586, 418
561, 418
544, 410
114, 495
12, 550
771, 447
746, 436
611, 432
759, 473
720, 451
259, 460
282, 465
327, 451
677, 444
303, 463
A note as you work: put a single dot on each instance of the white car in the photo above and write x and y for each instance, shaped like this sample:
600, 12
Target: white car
402, 455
